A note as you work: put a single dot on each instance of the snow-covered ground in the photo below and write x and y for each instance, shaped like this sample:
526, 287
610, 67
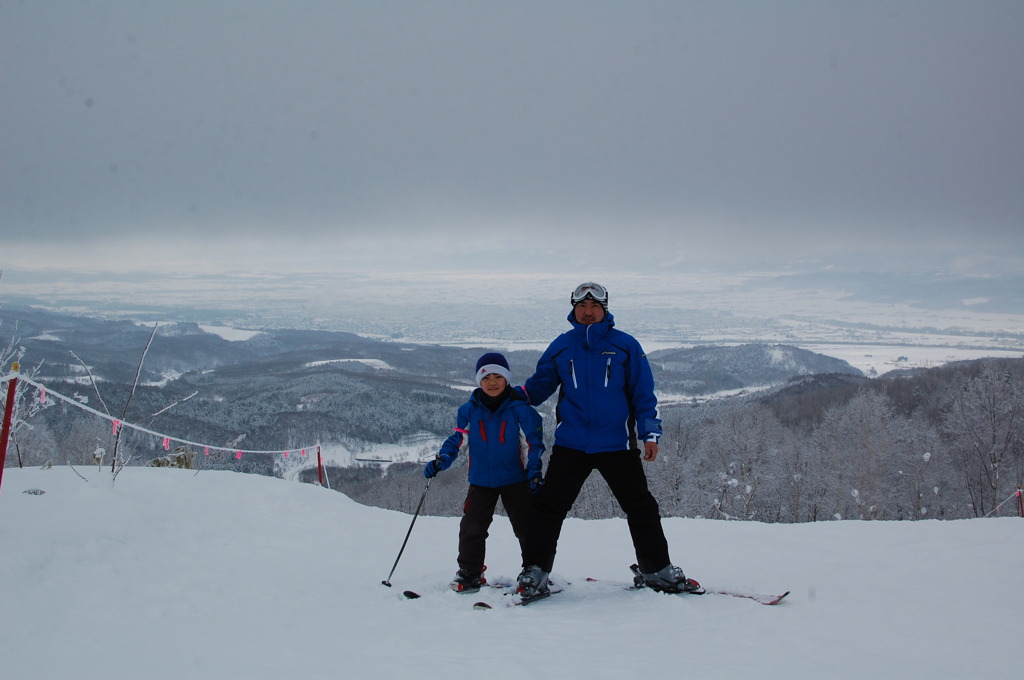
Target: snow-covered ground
232, 334
172, 574
875, 360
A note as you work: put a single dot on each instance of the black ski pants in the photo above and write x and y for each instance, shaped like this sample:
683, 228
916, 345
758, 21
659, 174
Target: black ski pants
567, 471
477, 515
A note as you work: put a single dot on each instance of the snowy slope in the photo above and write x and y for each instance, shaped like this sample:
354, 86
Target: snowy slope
169, 574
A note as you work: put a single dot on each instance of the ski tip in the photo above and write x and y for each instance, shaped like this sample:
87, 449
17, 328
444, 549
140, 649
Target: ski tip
412, 595
760, 599
481, 605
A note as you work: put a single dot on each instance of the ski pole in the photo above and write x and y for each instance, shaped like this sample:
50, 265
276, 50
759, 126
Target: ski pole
387, 581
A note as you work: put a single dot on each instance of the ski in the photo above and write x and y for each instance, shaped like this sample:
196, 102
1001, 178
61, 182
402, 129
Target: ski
413, 595
638, 584
517, 601
761, 599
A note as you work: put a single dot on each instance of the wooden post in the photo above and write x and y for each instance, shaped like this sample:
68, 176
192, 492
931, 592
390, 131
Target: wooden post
5, 431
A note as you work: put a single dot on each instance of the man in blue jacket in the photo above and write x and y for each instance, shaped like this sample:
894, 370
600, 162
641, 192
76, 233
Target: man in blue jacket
606, 411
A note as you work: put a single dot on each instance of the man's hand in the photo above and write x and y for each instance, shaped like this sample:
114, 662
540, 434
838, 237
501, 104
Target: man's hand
650, 451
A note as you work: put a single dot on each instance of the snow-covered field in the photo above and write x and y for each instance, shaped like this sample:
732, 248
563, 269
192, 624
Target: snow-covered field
171, 574
876, 360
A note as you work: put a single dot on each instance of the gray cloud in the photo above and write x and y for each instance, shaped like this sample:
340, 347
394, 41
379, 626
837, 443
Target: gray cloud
655, 128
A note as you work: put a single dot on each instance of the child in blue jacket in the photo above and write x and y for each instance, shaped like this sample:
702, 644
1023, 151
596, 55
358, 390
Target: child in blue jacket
498, 427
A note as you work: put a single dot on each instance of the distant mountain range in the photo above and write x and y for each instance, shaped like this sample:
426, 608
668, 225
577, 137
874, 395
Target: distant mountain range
282, 388
112, 350
704, 370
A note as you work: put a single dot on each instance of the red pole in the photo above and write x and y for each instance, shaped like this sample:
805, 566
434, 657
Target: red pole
5, 431
319, 467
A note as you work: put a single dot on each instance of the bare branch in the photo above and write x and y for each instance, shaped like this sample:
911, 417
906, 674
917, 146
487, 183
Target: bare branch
121, 467
170, 406
138, 372
68, 461
114, 468
92, 379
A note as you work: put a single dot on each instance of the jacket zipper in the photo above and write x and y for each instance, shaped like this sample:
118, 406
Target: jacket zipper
608, 372
501, 431
572, 372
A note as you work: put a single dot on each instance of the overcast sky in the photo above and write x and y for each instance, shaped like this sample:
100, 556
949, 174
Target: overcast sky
650, 133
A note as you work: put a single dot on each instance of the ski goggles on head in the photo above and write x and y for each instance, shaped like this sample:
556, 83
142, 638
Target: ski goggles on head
589, 291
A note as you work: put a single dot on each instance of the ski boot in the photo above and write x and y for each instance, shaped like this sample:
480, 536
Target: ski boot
669, 579
532, 584
467, 581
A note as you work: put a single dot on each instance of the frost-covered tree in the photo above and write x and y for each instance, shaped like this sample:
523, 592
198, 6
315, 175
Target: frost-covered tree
743, 459
29, 440
984, 422
869, 449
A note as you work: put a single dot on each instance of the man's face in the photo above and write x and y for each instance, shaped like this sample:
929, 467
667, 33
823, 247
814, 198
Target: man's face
588, 312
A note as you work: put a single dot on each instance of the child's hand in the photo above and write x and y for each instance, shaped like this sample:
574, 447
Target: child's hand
650, 451
440, 462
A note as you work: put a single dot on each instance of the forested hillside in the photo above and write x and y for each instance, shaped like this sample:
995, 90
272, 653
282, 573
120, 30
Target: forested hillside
942, 443
804, 437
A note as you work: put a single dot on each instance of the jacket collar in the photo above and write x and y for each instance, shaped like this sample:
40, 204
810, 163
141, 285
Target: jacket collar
480, 399
593, 332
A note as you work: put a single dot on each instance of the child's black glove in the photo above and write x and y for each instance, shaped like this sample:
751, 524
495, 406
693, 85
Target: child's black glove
535, 484
440, 462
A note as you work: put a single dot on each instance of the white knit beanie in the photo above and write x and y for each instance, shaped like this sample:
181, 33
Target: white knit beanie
492, 362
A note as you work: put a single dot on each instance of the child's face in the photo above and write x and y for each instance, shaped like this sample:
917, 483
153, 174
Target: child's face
493, 384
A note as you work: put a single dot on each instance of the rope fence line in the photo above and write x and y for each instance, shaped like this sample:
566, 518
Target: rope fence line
116, 423
44, 393
1020, 502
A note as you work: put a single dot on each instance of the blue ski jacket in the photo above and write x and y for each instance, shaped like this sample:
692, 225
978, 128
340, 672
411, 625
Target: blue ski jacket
606, 389
505, 445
